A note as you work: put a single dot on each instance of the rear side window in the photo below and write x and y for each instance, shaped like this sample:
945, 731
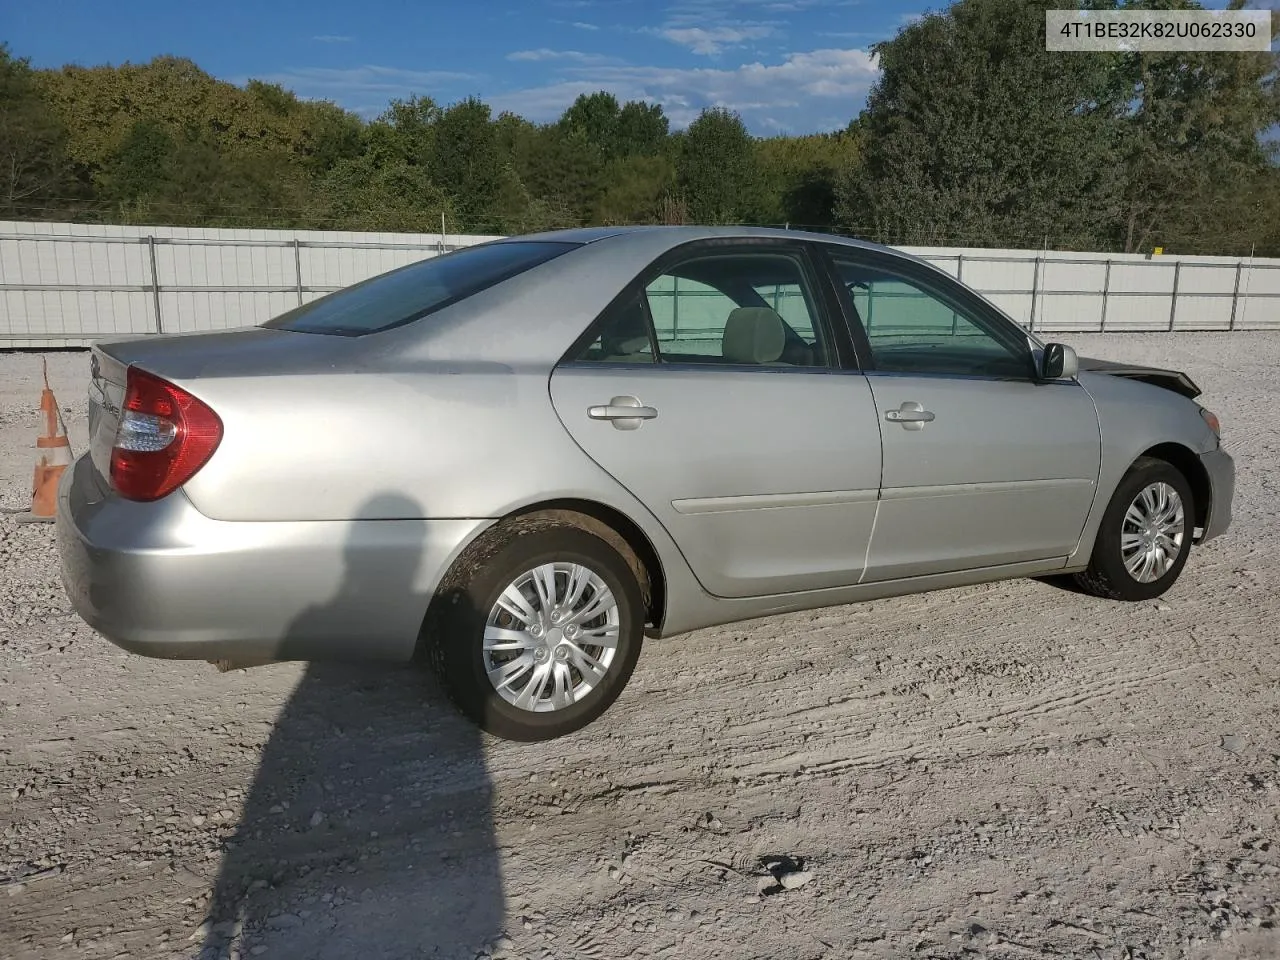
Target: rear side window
740, 309
409, 293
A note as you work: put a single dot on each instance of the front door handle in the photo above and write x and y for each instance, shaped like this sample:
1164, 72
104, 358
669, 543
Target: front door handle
911, 415
626, 413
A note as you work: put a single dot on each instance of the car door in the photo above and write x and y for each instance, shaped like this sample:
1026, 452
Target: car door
741, 431
983, 463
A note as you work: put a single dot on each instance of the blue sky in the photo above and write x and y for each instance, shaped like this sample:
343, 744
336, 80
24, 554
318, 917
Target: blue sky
788, 66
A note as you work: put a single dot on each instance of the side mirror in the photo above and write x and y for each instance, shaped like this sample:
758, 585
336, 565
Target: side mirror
1059, 362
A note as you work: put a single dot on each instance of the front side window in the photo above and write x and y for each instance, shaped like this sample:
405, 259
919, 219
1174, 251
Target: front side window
750, 309
409, 293
918, 328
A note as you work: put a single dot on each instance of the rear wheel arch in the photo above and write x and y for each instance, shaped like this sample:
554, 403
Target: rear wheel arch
620, 532
609, 524
1185, 461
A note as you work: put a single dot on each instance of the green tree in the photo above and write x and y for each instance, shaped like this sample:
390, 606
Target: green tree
36, 177
564, 170
387, 185
141, 169
798, 176
328, 135
717, 169
466, 163
634, 190
975, 134
642, 129
1193, 127
592, 120
515, 135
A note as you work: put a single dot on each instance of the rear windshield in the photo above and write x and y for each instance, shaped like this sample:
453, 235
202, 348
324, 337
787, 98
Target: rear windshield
404, 295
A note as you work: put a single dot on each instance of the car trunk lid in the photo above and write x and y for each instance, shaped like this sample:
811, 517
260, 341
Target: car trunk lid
186, 359
106, 395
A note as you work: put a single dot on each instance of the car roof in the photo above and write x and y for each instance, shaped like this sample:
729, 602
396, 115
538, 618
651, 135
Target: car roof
683, 233
534, 317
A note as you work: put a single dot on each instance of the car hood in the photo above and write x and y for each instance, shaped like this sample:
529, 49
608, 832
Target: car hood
1174, 380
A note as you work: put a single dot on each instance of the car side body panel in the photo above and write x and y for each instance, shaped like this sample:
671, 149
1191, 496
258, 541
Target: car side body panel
1006, 472
1135, 417
461, 442
163, 579
767, 479
695, 613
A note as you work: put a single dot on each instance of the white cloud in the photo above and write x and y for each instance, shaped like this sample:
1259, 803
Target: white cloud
798, 95
332, 38
711, 41
584, 26
708, 27
718, 12
851, 35
542, 54
794, 6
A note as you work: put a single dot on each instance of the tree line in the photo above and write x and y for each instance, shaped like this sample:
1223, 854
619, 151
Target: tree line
973, 135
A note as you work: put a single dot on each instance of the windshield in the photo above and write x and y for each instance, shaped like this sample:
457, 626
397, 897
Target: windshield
409, 293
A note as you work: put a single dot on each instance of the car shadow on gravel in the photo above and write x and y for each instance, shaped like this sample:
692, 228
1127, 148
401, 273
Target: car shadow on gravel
367, 831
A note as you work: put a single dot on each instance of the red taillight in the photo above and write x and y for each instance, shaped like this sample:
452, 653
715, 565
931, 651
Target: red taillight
165, 435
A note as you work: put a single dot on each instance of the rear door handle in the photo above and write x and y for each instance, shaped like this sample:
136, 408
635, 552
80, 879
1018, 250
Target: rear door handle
626, 413
911, 415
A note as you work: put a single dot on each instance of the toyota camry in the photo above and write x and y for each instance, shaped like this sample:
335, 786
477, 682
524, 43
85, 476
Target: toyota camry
520, 460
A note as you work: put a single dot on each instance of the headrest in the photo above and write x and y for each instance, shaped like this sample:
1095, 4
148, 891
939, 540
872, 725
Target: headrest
753, 335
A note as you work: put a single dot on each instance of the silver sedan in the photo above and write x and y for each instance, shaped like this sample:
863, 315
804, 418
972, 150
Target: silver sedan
519, 460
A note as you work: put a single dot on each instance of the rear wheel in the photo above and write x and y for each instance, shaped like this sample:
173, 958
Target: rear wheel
538, 631
1145, 535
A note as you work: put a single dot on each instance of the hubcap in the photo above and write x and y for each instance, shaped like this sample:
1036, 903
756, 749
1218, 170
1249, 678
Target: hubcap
551, 637
1152, 533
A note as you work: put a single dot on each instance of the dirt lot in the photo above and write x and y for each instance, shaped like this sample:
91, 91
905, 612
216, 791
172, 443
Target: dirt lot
1005, 771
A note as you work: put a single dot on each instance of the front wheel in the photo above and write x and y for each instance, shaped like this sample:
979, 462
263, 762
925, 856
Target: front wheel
538, 632
1145, 534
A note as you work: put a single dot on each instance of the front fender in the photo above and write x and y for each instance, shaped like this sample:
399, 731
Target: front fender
1134, 417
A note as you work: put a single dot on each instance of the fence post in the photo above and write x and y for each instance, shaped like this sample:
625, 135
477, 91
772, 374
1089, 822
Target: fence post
1235, 295
675, 308
297, 267
155, 283
1035, 289
1173, 301
1106, 290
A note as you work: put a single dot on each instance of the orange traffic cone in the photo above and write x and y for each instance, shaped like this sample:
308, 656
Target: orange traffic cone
53, 456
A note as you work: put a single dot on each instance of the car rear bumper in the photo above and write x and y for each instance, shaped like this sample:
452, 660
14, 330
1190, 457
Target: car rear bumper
1221, 470
163, 580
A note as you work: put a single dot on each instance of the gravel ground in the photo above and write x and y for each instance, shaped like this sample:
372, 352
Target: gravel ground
1010, 770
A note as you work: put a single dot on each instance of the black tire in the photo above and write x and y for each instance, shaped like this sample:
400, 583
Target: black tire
1107, 576
455, 627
